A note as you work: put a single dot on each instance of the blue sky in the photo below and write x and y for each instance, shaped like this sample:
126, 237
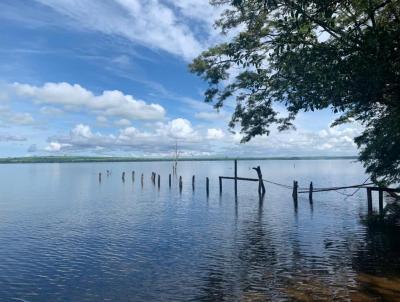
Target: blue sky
111, 78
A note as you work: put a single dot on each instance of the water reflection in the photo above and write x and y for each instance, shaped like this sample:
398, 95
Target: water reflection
78, 240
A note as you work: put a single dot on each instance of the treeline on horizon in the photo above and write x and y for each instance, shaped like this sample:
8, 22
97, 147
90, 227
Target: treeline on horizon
84, 159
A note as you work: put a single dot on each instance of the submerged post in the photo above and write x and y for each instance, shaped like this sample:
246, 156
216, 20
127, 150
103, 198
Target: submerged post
380, 202
169, 181
193, 179
99, 177
310, 192
235, 177
158, 180
133, 176
220, 185
207, 186
261, 187
294, 194
123, 176
369, 200
180, 183
142, 179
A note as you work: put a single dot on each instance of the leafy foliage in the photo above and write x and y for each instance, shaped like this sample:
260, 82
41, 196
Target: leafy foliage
310, 55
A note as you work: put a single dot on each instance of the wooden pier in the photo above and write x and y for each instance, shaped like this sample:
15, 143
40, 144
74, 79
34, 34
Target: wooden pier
295, 188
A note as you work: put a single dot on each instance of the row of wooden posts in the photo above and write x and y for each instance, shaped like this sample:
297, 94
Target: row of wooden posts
261, 187
155, 176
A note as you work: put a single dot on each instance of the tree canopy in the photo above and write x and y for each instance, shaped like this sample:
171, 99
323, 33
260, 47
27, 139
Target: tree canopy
310, 55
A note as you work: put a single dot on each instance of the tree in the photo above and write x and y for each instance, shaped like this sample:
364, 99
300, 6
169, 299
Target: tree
311, 55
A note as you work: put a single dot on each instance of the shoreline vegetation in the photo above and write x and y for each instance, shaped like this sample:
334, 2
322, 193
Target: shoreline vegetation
99, 159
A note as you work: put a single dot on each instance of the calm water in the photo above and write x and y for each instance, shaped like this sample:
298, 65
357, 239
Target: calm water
65, 237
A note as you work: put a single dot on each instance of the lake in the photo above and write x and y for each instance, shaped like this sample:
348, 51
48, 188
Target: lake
66, 237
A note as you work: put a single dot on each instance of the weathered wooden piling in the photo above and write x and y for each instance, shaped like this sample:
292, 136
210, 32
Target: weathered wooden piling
261, 187
180, 183
235, 177
133, 176
369, 200
169, 180
99, 177
193, 180
295, 188
158, 180
380, 202
207, 186
220, 185
123, 176
310, 198
142, 180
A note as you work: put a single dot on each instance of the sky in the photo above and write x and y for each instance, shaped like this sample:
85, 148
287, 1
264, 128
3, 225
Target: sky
111, 78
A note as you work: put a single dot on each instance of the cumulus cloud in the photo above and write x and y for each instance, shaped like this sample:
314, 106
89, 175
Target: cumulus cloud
178, 128
75, 97
55, 146
161, 139
333, 141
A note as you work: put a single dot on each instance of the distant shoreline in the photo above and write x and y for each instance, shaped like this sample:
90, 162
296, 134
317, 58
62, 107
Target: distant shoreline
89, 159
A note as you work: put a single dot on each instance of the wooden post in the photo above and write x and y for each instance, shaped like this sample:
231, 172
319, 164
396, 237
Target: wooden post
235, 177
369, 200
142, 179
180, 183
158, 180
310, 192
169, 181
133, 176
193, 179
261, 187
381, 202
123, 176
294, 194
207, 186
220, 185
99, 177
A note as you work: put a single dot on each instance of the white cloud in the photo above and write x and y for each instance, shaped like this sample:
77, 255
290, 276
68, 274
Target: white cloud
147, 22
52, 111
161, 139
178, 128
123, 123
75, 97
7, 116
215, 134
82, 131
55, 147
101, 119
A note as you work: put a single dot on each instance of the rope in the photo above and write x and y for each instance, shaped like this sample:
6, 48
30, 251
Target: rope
278, 184
316, 190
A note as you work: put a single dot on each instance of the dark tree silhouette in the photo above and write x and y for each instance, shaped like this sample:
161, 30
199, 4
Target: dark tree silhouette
310, 55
